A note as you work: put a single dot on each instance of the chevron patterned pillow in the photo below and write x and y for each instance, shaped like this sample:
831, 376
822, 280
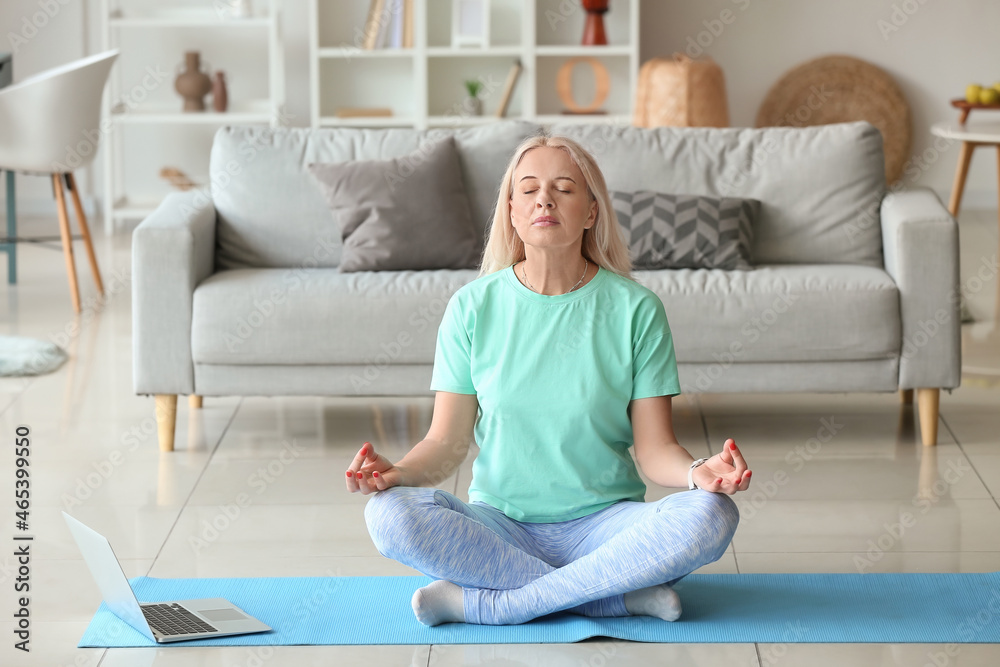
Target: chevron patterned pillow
686, 231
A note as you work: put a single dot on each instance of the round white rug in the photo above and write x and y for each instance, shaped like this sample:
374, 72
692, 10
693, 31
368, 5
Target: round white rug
20, 356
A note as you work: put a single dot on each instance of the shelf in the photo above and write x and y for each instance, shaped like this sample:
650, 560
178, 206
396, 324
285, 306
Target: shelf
575, 51
505, 27
179, 17
348, 52
367, 121
618, 101
447, 51
425, 85
252, 112
126, 209
609, 118
464, 121
370, 83
151, 129
446, 93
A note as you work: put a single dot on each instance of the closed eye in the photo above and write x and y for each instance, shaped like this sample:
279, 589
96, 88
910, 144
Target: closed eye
528, 192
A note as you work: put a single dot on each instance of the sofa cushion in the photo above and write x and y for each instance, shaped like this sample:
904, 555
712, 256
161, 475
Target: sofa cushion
409, 212
830, 312
686, 231
820, 187
774, 313
321, 316
270, 212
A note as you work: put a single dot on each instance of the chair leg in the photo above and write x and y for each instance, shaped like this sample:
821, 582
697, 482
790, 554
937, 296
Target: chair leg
194, 401
67, 240
958, 185
85, 231
11, 231
927, 406
906, 396
166, 420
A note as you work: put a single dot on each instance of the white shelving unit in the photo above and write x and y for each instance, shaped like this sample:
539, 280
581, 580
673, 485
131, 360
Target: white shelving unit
423, 84
141, 96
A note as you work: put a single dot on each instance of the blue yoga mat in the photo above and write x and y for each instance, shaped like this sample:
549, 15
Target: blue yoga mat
725, 608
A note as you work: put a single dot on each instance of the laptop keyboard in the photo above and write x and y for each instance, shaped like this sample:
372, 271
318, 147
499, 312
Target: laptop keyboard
173, 619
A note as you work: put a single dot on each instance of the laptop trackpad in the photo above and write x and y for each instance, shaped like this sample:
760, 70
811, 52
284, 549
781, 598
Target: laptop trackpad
222, 614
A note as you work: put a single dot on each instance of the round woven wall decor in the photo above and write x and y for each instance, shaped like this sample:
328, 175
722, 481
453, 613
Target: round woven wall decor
842, 89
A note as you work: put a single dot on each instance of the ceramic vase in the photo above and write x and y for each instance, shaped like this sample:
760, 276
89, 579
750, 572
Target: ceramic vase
220, 96
192, 83
473, 106
593, 30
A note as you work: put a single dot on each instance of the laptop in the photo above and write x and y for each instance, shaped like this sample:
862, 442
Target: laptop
163, 622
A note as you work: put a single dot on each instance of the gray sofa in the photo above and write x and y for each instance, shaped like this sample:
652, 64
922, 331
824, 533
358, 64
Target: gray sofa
854, 288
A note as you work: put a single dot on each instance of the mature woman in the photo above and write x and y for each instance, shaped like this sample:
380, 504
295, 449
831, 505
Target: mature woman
557, 361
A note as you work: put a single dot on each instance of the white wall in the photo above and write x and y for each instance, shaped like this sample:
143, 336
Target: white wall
931, 48
938, 48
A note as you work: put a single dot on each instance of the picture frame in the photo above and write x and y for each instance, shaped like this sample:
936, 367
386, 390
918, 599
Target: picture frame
470, 23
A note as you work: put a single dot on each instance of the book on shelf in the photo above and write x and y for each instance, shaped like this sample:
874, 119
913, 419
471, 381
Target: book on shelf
396, 39
373, 22
407, 24
385, 20
508, 89
389, 24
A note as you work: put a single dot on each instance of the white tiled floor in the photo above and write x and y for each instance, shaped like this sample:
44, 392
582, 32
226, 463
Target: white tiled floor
95, 452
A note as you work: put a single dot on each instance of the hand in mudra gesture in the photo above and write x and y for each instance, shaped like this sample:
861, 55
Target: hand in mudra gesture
725, 472
371, 472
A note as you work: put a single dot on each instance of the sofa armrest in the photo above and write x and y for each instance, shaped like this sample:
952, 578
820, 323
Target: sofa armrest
920, 246
172, 251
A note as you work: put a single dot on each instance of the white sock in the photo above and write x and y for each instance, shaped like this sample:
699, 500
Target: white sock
661, 601
439, 602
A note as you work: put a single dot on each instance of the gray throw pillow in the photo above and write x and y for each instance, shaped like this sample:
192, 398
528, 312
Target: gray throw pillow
686, 231
409, 212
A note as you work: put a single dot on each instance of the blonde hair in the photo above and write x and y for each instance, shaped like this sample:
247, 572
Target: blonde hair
603, 243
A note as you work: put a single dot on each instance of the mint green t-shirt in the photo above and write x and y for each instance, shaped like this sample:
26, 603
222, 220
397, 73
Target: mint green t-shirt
554, 376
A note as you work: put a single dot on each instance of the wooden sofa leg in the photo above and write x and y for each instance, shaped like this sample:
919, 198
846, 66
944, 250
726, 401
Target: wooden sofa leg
166, 420
927, 406
194, 401
906, 396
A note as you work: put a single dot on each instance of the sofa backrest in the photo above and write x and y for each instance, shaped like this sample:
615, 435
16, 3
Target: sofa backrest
271, 212
820, 187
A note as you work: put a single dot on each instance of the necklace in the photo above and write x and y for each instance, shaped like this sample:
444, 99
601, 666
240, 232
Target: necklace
586, 265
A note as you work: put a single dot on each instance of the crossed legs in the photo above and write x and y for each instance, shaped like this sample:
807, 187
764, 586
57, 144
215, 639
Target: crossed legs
512, 572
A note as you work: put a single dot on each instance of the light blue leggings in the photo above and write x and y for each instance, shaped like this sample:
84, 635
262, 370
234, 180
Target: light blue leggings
512, 572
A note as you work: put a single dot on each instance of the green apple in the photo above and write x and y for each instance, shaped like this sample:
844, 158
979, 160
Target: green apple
972, 93
989, 96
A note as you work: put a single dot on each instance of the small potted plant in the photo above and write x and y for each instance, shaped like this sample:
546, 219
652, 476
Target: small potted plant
473, 105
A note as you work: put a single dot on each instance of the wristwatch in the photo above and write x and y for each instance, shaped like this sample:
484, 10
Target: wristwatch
691, 484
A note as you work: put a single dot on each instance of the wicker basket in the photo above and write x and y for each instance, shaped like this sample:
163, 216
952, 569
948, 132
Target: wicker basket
839, 89
681, 92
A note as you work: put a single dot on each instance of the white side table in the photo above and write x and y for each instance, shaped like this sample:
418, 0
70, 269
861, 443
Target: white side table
972, 136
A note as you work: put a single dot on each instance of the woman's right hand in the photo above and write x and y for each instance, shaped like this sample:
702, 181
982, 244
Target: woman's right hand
371, 472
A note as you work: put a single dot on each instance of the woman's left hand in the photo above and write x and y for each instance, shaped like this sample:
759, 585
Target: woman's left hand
726, 472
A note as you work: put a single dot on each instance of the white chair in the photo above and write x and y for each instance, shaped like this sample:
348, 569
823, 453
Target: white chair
50, 124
